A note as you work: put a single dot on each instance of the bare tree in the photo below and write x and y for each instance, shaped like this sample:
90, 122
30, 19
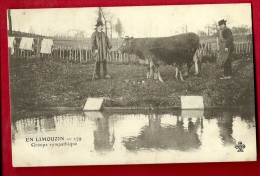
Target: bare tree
119, 28
108, 19
212, 29
10, 22
201, 33
78, 33
184, 28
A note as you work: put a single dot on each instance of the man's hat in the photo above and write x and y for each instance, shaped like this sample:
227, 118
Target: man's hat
222, 22
99, 23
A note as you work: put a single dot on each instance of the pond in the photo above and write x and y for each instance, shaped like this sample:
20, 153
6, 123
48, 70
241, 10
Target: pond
55, 138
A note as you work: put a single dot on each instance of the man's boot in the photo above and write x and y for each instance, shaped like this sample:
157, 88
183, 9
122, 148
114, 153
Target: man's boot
105, 69
97, 74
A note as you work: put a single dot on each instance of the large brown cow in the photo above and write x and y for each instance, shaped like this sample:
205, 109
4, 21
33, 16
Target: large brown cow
175, 50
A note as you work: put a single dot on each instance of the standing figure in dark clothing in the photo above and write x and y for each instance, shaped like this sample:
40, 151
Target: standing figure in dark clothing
100, 46
226, 48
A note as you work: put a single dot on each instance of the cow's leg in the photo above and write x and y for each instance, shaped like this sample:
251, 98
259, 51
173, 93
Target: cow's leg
155, 67
199, 66
176, 72
157, 71
155, 74
181, 77
186, 71
196, 67
148, 71
151, 65
195, 60
199, 63
159, 75
189, 64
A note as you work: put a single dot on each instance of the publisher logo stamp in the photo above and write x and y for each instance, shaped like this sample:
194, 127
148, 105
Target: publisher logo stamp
240, 146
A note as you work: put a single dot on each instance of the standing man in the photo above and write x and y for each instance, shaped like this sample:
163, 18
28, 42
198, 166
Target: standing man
100, 46
226, 48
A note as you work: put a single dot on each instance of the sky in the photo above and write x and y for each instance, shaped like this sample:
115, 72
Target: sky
138, 21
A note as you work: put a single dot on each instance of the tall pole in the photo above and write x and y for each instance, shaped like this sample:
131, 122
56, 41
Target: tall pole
101, 12
110, 27
10, 22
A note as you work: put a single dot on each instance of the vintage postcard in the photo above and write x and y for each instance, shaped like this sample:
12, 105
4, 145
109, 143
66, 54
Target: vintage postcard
132, 85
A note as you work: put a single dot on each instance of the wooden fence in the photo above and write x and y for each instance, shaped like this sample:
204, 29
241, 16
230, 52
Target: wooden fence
83, 54
240, 48
80, 54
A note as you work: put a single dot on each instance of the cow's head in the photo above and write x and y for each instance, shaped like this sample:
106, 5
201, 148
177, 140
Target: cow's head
126, 46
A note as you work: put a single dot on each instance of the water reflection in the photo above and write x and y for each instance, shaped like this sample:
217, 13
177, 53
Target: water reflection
103, 140
122, 132
157, 136
225, 124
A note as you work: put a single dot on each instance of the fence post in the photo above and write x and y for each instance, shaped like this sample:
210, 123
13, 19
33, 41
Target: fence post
38, 46
70, 53
59, 52
217, 43
113, 56
63, 48
84, 54
75, 54
87, 53
116, 57
56, 52
80, 54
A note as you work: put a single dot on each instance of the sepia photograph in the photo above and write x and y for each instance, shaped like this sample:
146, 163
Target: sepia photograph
132, 85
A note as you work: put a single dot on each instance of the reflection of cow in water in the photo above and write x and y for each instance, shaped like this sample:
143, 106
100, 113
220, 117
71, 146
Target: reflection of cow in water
163, 137
101, 136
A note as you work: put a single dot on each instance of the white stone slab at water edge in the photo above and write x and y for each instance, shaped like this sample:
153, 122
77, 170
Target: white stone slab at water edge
192, 102
93, 104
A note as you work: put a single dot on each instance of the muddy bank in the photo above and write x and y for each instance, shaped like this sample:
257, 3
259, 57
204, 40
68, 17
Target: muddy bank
45, 82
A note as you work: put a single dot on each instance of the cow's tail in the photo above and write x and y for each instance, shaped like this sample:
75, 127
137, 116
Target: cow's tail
197, 59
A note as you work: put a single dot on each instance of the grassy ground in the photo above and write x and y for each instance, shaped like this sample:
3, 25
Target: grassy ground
45, 82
